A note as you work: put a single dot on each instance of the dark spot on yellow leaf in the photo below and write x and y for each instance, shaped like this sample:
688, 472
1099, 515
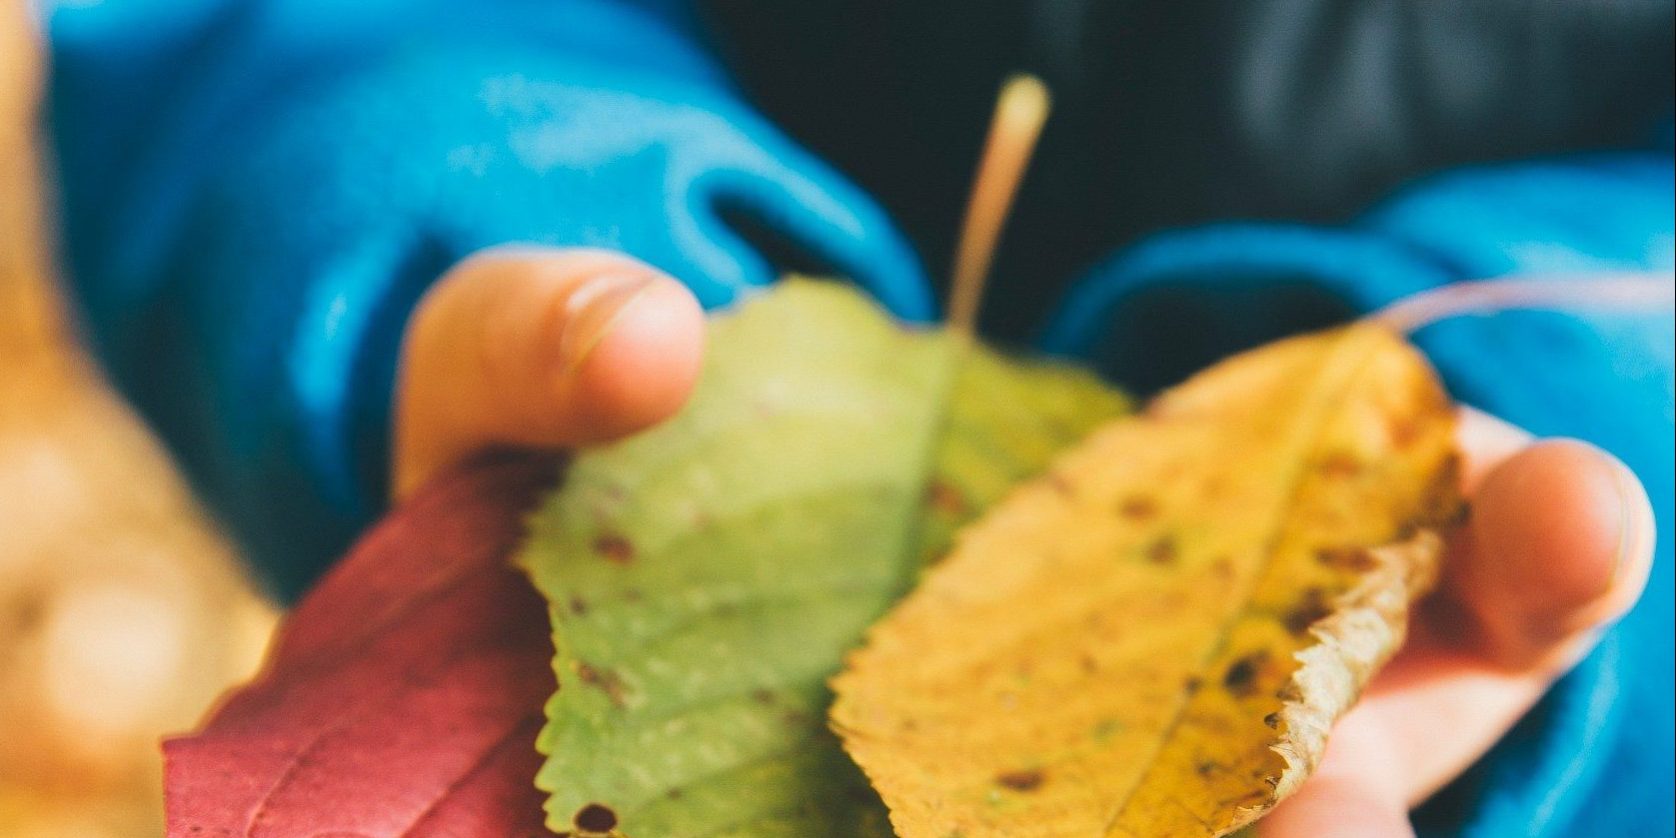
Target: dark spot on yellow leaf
1241, 678
1272, 720
1340, 464
1021, 781
1193, 684
1311, 606
614, 548
1060, 484
578, 606
1206, 768
762, 696
1444, 507
1404, 431
595, 817
1163, 551
1106, 728
1138, 507
1355, 559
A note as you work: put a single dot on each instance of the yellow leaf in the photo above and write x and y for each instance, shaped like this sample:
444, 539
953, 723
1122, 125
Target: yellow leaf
1153, 639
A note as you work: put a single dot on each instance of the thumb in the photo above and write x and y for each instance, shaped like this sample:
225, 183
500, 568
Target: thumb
540, 348
1561, 545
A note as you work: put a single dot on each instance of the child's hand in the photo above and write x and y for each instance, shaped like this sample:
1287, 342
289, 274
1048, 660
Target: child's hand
559, 348
540, 348
1560, 544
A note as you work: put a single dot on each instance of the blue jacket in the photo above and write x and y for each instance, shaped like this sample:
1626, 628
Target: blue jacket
256, 194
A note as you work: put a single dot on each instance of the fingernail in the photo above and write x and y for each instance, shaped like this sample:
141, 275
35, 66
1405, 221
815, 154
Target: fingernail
592, 310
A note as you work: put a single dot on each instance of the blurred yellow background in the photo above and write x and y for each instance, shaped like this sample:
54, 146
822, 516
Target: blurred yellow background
123, 614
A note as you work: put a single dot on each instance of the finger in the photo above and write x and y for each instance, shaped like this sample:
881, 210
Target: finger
1354, 793
541, 348
1561, 542
1485, 442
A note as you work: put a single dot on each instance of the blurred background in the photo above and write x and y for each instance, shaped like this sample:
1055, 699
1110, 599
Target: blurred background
123, 614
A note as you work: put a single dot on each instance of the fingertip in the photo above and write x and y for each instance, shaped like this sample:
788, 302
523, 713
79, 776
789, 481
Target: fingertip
643, 365
1562, 536
530, 347
1485, 442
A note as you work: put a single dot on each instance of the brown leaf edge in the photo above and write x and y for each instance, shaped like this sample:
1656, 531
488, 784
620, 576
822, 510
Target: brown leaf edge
1365, 627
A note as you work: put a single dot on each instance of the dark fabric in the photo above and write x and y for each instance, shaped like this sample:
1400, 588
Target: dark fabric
1171, 112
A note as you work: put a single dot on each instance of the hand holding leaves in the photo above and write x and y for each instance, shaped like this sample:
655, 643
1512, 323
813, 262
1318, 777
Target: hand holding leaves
703, 579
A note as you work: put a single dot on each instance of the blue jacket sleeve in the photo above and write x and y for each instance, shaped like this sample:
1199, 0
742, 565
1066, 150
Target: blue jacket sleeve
1604, 735
256, 193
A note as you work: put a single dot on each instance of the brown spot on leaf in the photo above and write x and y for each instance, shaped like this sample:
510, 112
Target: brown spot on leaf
762, 696
1241, 678
1060, 484
1272, 720
943, 498
1356, 559
1444, 508
1193, 684
1206, 768
1138, 507
578, 606
1340, 464
1308, 610
1404, 431
1162, 551
614, 548
602, 679
1021, 781
595, 817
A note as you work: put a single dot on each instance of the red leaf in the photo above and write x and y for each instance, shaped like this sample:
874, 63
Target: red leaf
403, 694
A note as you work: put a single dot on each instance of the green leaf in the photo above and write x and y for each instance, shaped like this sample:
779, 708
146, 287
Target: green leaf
705, 578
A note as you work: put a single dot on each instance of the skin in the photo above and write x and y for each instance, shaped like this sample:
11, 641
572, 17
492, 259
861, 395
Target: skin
567, 348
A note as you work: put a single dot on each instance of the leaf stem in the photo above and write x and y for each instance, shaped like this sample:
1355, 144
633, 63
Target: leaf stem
1020, 112
1616, 291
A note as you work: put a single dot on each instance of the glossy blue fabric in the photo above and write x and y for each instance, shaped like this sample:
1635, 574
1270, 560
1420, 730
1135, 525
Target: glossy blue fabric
256, 193
1596, 758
